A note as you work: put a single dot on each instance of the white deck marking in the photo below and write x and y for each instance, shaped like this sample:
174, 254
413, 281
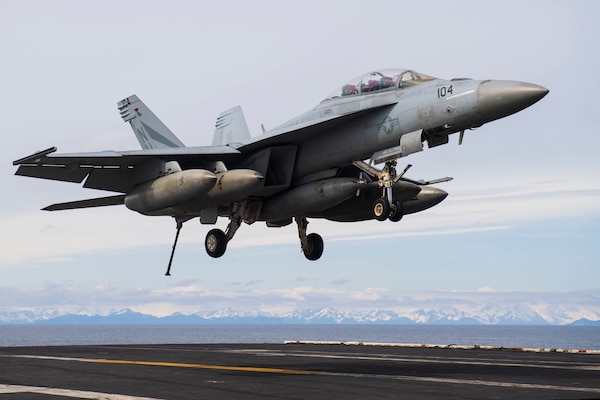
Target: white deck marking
476, 382
77, 394
431, 360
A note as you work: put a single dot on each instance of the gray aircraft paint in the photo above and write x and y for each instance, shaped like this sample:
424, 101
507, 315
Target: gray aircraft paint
308, 167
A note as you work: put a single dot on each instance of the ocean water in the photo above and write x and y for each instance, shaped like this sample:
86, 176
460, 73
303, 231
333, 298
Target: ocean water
562, 337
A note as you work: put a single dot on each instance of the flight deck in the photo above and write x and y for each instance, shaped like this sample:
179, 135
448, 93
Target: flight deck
293, 371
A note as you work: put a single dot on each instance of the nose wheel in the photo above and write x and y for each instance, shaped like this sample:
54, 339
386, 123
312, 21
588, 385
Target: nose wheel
386, 207
396, 211
381, 209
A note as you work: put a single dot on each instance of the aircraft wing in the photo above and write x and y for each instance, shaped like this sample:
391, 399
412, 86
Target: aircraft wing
111, 170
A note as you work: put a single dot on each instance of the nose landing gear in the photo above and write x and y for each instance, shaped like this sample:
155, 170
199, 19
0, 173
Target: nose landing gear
385, 207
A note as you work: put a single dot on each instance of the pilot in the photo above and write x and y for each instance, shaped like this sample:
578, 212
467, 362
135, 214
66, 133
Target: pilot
348, 90
386, 82
370, 86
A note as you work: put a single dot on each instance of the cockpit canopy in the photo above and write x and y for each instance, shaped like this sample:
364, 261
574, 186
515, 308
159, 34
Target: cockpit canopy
388, 79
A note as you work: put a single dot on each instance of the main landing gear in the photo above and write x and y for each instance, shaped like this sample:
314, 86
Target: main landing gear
312, 244
216, 240
215, 243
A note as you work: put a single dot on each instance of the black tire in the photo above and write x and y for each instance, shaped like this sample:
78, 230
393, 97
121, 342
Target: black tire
381, 209
215, 243
315, 247
396, 211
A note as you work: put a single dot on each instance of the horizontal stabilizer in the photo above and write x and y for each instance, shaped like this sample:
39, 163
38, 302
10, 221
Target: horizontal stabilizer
97, 202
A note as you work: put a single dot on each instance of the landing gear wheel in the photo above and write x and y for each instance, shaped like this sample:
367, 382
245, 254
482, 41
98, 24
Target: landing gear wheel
396, 211
215, 243
315, 246
381, 209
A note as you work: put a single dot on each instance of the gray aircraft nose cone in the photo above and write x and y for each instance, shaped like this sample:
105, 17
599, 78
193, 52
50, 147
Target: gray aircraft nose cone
498, 99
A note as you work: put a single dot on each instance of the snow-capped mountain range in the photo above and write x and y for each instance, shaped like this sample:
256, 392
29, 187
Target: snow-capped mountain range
492, 314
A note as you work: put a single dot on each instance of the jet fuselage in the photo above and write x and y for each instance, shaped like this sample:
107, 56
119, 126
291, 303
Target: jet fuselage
309, 167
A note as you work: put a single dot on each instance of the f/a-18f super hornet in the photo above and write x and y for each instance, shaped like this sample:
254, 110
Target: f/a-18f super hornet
310, 167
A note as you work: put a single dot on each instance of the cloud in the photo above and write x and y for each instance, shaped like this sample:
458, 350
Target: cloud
191, 290
369, 295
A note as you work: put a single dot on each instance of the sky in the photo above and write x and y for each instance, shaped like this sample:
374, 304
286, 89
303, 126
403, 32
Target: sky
523, 211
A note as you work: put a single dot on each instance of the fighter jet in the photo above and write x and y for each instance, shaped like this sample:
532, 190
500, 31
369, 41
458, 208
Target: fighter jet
321, 164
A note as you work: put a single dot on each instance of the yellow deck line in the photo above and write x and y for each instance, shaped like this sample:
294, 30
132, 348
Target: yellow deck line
204, 366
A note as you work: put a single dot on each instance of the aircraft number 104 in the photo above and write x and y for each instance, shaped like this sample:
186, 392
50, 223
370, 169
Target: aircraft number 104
443, 91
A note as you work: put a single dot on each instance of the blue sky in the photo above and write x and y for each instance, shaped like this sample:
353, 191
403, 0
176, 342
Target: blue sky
523, 212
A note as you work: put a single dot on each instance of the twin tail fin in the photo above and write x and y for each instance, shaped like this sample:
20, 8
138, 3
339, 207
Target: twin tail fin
149, 130
231, 128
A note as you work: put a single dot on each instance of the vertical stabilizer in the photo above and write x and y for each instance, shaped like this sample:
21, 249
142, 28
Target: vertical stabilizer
231, 128
149, 130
